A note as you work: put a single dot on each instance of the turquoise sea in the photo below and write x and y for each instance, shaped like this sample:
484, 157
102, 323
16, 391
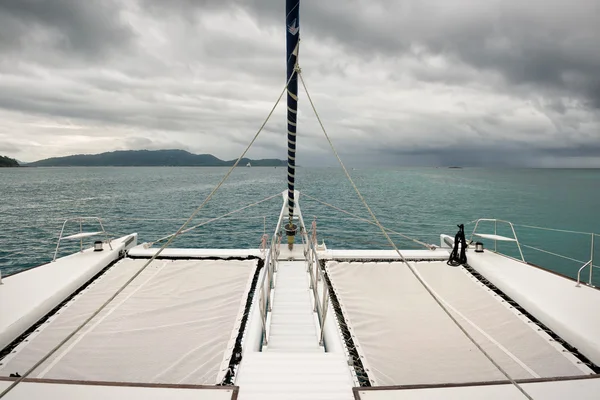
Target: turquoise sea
418, 202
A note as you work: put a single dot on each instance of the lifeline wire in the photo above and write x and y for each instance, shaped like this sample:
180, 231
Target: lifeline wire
429, 246
218, 218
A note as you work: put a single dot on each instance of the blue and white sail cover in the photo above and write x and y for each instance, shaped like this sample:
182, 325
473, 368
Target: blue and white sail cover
292, 41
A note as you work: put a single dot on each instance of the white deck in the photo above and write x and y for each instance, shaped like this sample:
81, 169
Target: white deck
394, 318
381, 299
437, 254
297, 253
70, 391
140, 251
570, 311
29, 295
294, 376
174, 323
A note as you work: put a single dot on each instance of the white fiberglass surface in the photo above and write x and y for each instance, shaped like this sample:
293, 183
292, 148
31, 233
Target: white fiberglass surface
406, 337
569, 310
175, 323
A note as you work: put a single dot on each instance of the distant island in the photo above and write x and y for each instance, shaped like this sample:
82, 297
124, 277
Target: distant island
150, 158
8, 162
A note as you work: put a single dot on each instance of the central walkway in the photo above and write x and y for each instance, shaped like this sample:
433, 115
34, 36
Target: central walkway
293, 322
293, 365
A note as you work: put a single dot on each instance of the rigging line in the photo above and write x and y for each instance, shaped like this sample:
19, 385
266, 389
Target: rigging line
321, 217
164, 246
93, 326
551, 253
216, 219
328, 230
368, 221
553, 229
417, 275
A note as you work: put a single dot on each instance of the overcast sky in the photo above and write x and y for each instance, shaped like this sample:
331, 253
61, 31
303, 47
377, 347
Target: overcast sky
423, 82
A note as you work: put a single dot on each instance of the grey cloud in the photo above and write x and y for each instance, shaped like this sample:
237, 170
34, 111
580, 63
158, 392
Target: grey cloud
417, 81
8, 147
548, 45
91, 28
145, 109
544, 44
475, 156
576, 151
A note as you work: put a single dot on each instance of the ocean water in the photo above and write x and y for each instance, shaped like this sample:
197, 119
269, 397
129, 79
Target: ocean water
417, 202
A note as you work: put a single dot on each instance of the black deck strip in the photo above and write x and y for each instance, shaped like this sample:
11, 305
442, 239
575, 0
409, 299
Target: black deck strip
236, 354
357, 365
550, 332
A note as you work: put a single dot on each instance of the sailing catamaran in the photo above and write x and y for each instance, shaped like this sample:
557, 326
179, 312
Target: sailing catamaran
298, 320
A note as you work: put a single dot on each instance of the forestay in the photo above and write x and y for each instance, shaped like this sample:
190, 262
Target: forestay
175, 323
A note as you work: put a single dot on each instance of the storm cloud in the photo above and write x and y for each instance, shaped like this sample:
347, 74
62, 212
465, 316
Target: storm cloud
429, 82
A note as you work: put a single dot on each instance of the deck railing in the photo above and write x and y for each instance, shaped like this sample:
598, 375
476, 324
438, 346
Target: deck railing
266, 284
81, 235
316, 277
317, 280
495, 237
586, 264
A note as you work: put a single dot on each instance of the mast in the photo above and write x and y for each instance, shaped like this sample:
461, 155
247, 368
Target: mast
292, 44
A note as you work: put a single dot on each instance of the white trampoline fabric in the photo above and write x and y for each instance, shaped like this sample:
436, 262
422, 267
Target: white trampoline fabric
406, 337
175, 323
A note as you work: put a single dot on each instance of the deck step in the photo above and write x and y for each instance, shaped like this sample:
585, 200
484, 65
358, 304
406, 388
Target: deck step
293, 326
297, 376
